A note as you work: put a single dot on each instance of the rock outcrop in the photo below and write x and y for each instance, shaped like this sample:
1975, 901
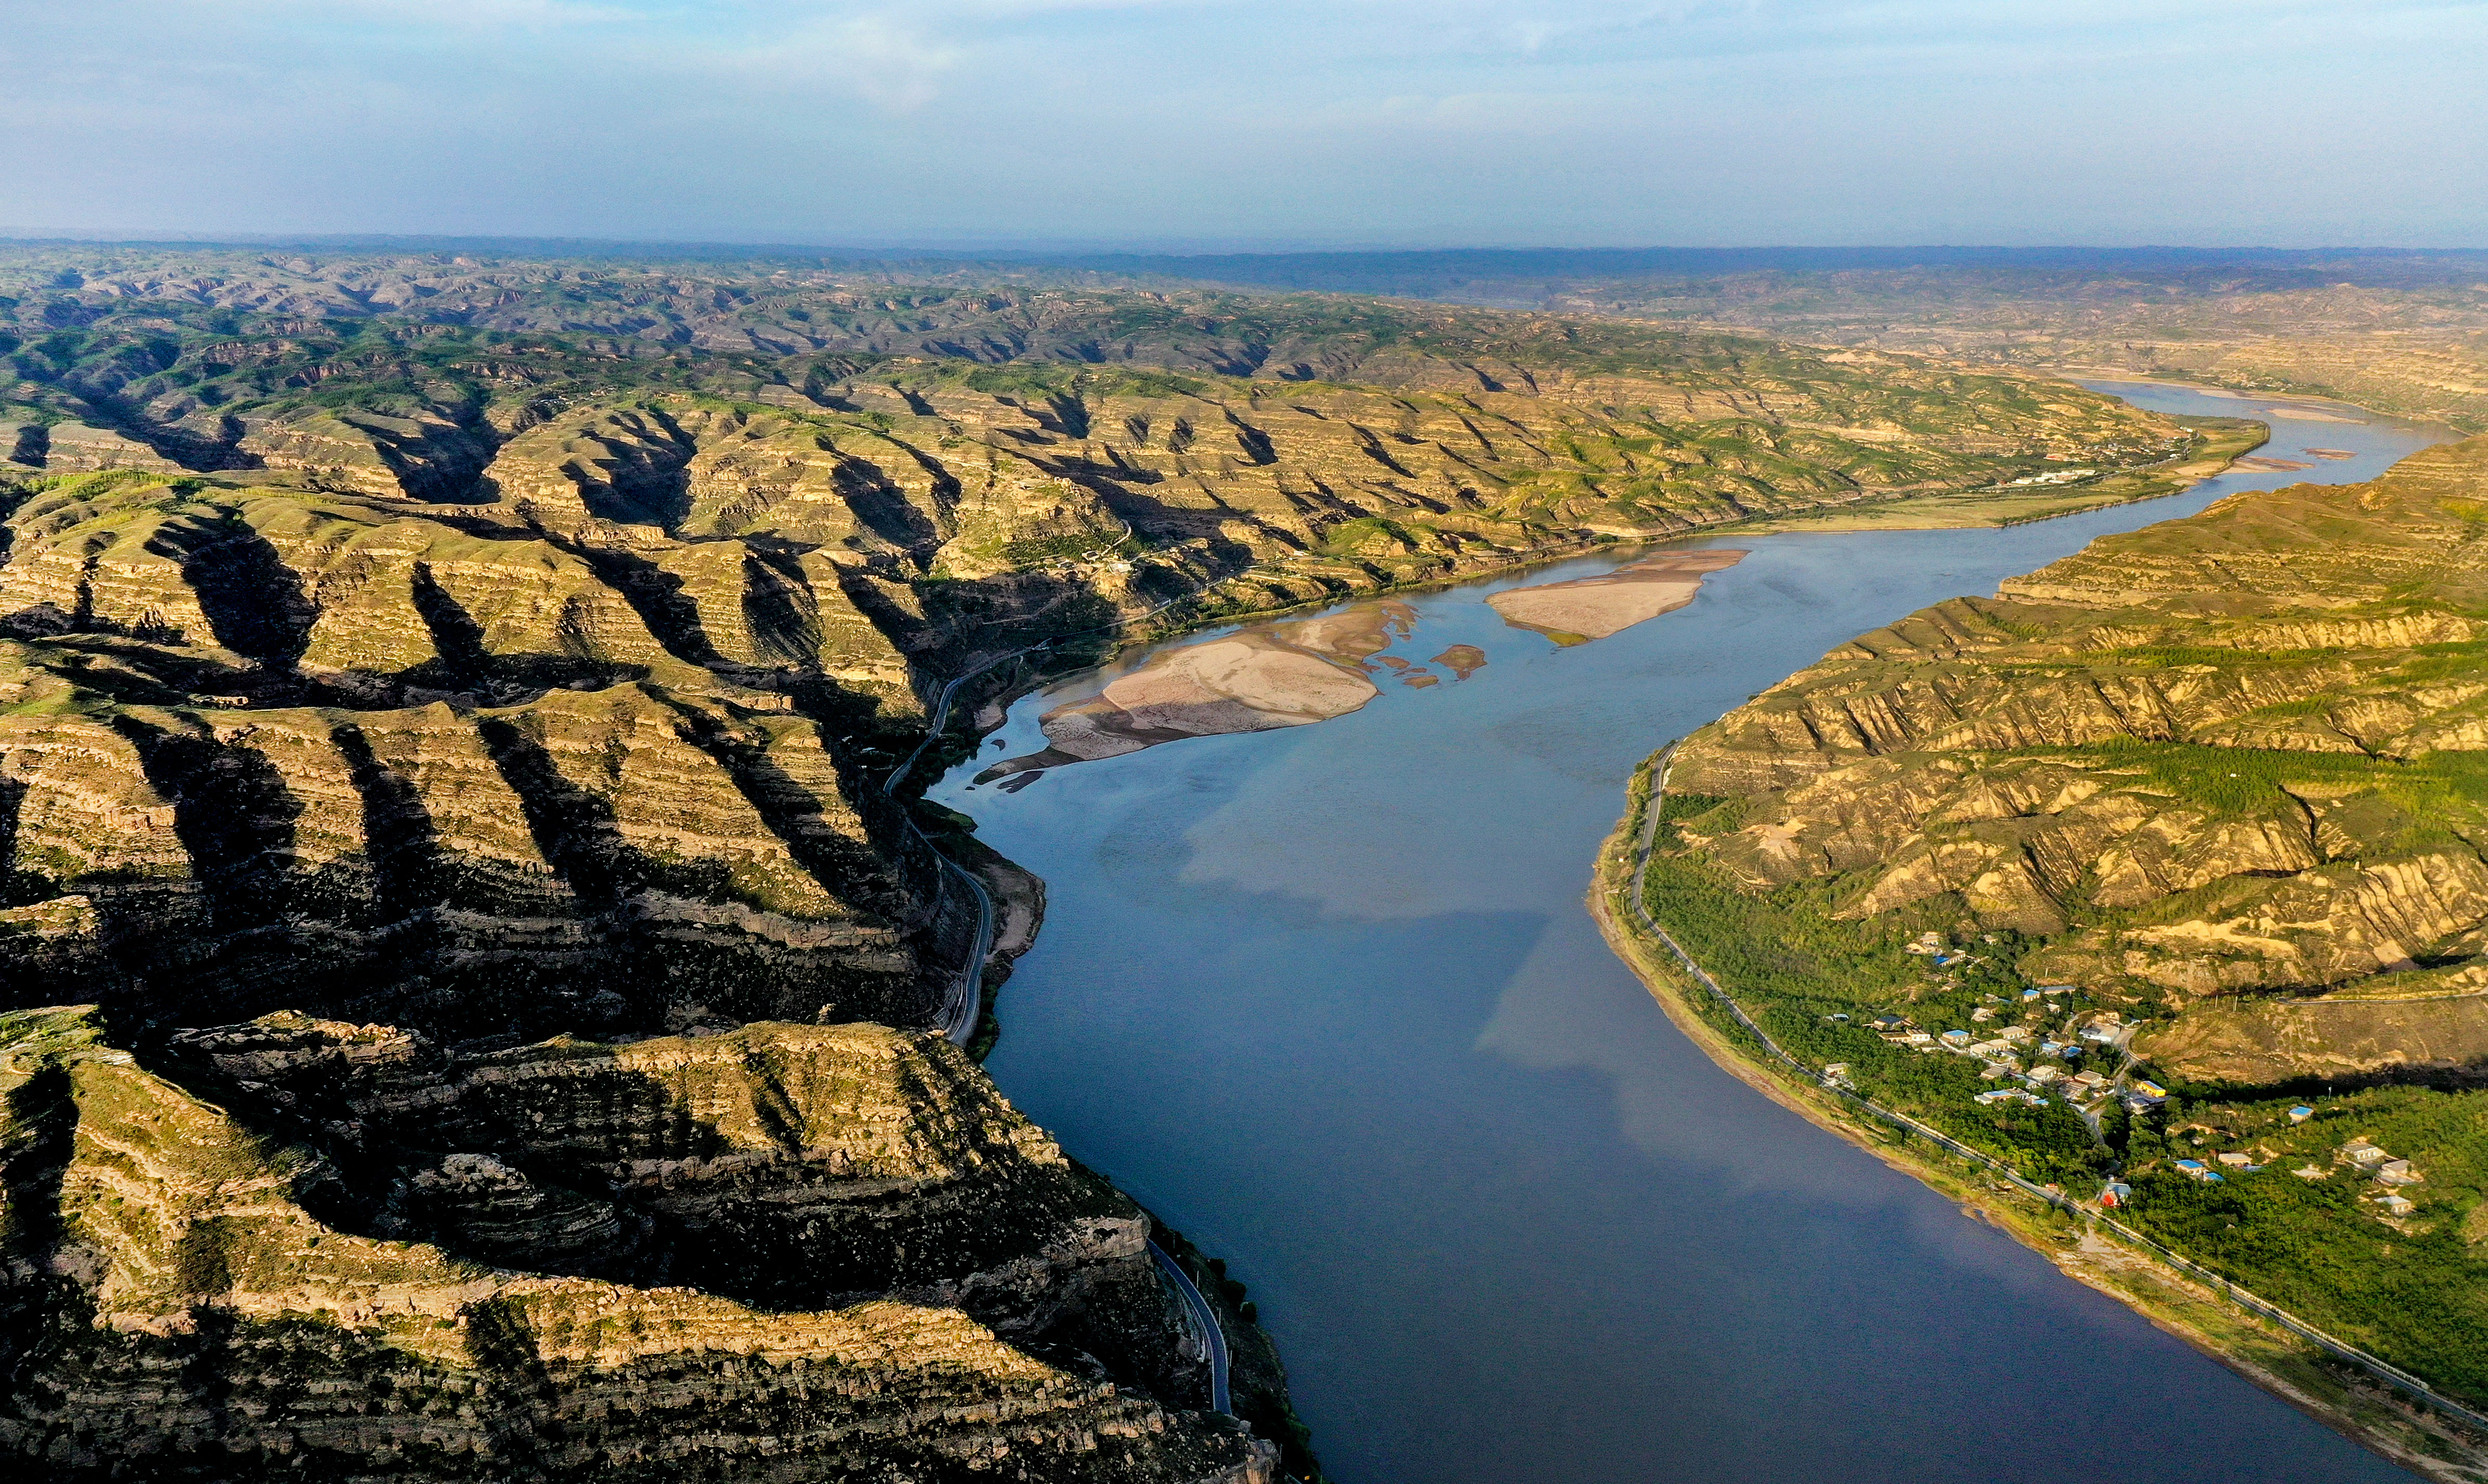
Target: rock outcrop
174, 1308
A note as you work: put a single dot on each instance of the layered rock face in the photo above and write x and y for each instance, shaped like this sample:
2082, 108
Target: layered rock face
790, 1165
2237, 764
174, 1309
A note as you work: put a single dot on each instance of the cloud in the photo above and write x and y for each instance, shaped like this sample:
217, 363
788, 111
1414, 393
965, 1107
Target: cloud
884, 59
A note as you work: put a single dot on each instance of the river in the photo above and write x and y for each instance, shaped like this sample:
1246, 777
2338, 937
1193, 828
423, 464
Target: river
1328, 1000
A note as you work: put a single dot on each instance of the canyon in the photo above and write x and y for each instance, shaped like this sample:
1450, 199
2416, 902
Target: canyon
468, 987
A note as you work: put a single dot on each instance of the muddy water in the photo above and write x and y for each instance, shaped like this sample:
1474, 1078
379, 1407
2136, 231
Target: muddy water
1328, 1000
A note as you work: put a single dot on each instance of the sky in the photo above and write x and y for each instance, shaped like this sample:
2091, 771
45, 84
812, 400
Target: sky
1244, 124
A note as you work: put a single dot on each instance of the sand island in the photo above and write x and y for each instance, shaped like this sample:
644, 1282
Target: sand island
1253, 679
1586, 608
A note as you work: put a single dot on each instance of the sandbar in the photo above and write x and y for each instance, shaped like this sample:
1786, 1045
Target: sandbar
2328, 453
2259, 462
2298, 414
1254, 680
1462, 660
1588, 609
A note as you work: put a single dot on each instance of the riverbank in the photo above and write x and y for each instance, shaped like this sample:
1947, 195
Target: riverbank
2221, 443
2271, 1358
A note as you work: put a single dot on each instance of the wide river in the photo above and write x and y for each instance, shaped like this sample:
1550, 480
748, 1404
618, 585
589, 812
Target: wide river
1328, 1000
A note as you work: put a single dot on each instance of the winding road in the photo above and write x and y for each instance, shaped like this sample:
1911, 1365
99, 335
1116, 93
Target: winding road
964, 1004
1201, 1322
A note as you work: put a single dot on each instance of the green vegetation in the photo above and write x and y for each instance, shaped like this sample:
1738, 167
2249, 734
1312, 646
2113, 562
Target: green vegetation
1794, 968
2219, 783
2413, 1292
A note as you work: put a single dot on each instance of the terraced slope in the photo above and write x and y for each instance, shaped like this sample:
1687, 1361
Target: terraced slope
2227, 777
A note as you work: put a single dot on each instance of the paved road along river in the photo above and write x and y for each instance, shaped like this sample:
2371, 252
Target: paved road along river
1328, 1000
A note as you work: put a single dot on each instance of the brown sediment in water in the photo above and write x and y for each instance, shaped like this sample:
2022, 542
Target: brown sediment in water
1254, 680
1419, 680
1588, 609
1461, 659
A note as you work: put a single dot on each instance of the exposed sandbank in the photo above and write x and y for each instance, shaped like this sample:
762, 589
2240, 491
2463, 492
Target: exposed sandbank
1588, 609
1254, 680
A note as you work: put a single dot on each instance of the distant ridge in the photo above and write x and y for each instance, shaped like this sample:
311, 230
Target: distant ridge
1370, 271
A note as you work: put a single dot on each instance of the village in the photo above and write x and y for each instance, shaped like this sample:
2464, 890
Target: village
2041, 1048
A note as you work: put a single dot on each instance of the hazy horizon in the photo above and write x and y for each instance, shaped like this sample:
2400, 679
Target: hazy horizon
1206, 125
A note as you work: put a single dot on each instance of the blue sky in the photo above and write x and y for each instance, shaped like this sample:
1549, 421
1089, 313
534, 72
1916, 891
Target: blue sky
1256, 122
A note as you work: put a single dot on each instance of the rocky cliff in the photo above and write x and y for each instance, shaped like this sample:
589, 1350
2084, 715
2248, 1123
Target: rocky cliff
176, 1308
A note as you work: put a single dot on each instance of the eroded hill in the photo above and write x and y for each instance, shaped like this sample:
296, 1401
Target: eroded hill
2214, 792
443, 711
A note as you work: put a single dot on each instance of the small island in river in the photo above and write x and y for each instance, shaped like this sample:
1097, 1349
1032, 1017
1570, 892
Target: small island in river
1586, 608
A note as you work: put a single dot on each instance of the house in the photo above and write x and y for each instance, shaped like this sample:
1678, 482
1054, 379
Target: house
2017, 1033
2057, 989
2398, 1172
2307, 1172
2395, 1205
2301, 1114
2117, 1193
1890, 1025
2236, 1160
1982, 1015
1956, 1040
1919, 1039
2363, 1155
2043, 1075
2028, 996
2050, 1048
2150, 1089
2198, 1170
